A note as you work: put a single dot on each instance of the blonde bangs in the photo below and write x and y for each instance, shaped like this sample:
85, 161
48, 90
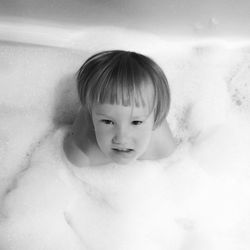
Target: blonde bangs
122, 85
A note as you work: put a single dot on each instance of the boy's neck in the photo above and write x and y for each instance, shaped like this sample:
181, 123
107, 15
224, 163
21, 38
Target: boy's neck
84, 155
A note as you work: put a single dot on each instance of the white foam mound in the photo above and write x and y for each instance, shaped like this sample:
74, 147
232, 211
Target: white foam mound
188, 201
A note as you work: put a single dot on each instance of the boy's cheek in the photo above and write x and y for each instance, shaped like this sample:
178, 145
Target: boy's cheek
102, 136
100, 131
145, 132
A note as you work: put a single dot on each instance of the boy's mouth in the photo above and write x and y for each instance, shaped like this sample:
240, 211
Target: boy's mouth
123, 150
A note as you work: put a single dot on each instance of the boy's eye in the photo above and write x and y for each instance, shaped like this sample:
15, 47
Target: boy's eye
136, 123
108, 122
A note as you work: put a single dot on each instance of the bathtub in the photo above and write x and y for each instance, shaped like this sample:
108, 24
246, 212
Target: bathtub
196, 199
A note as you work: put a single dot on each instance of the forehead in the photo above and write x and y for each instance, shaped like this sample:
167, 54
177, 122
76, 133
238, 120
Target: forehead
119, 110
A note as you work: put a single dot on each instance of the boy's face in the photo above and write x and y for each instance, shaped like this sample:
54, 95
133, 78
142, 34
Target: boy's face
122, 132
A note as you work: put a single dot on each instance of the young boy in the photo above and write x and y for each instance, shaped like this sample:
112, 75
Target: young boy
125, 100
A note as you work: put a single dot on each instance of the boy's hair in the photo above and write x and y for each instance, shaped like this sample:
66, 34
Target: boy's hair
118, 76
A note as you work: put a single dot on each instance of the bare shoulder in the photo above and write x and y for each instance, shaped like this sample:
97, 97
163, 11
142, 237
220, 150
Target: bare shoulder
72, 152
162, 143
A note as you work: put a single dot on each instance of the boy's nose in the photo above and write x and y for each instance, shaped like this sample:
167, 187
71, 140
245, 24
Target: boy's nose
120, 137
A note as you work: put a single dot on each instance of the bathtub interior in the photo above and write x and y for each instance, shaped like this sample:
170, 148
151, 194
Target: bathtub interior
210, 111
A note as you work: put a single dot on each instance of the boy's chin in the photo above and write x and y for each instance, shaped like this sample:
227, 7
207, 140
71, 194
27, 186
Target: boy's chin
123, 158
123, 161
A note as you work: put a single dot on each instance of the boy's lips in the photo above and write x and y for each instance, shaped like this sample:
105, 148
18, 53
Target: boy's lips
123, 153
122, 150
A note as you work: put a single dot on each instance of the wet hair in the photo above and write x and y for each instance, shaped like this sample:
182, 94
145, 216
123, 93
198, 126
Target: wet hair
120, 77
